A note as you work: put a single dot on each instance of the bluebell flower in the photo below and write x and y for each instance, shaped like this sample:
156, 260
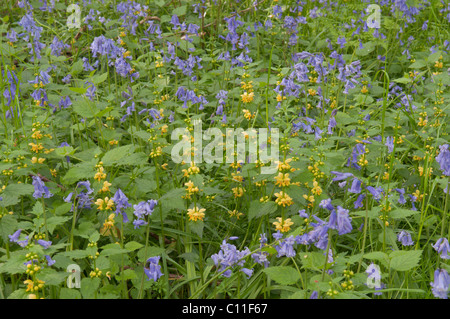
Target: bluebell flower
405, 238
229, 256
356, 186
50, 261
121, 203
390, 143
286, 247
442, 247
23, 243
248, 272
326, 204
359, 201
344, 222
401, 199
15, 237
441, 284
40, 190
341, 41
340, 176
314, 295
152, 268
376, 192
45, 244
444, 159
143, 209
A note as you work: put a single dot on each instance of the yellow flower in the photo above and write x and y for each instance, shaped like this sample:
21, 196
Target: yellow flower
238, 191
36, 160
283, 226
316, 190
282, 179
283, 199
196, 214
36, 147
190, 187
246, 97
100, 175
191, 170
105, 187
104, 204
235, 213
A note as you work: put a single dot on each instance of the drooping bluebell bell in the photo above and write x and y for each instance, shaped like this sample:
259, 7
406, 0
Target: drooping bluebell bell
356, 186
443, 159
390, 144
376, 192
121, 203
340, 176
152, 268
229, 256
40, 190
359, 201
50, 261
344, 221
23, 243
286, 247
405, 238
440, 284
44, 243
143, 209
442, 246
15, 237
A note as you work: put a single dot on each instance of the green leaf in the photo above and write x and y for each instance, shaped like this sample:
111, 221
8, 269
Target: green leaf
196, 227
151, 251
172, 199
258, 209
283, 275
377, 255
19, 294
52, 277
68, 293
97, 79
402, 260
77, 173
181, 10
84, 108
116, 155
12, 193
133, 245
8, 225
402, 213
89, 287
76, 254
55, 221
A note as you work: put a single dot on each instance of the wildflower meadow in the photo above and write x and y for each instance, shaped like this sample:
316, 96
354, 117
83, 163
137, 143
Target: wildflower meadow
218, 149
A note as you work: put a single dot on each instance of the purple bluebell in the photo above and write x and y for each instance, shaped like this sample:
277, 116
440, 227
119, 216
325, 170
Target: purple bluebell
121, 203
356, 186
44, 243
405, 238
286, 247
376, 192
344, 222
40, 190
15, 237
442, 247
359, 201
440, 284
444, 159
50, 261
152, 268
340, 176
23, 243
